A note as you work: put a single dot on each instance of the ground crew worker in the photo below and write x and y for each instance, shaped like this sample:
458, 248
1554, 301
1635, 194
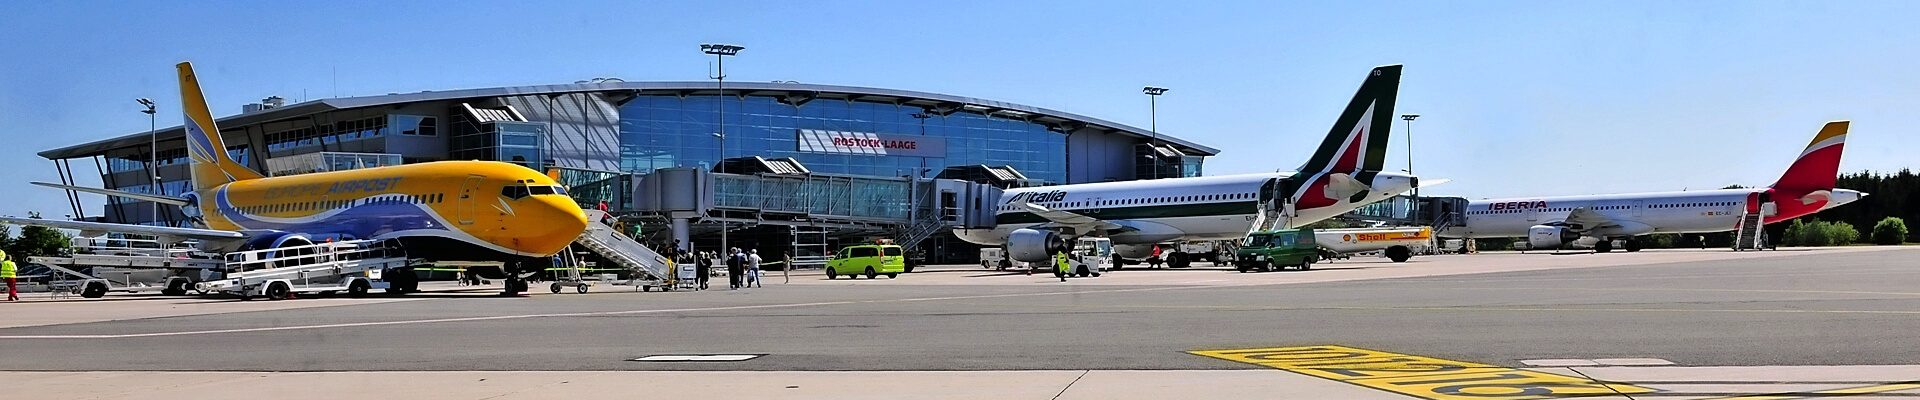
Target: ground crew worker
8, 272
1062, 268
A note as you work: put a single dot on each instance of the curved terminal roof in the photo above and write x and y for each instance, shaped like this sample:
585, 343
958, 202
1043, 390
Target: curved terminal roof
792, 92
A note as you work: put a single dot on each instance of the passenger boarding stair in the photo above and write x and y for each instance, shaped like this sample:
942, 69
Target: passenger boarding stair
621, 250
1267, 218
1751, 233
1747, 234
920, 231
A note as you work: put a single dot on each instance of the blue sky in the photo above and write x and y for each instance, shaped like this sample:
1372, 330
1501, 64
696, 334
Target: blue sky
1517, 98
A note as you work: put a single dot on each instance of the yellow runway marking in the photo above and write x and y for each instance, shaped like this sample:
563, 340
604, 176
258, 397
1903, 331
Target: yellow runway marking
1423, 377
1891, 387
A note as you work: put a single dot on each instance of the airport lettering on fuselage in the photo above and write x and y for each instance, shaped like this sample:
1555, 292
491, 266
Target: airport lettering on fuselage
341, 188
1039, 197
1518, 205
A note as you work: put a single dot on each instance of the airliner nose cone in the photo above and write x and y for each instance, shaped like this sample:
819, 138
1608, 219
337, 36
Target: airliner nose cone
555, 223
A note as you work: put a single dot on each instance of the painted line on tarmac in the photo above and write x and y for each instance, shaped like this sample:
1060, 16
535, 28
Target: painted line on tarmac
1465, 308
602, 313
1891, 387
1423, 377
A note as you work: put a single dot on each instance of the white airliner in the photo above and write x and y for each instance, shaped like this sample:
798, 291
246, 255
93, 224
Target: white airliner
1550, 222
1343, 174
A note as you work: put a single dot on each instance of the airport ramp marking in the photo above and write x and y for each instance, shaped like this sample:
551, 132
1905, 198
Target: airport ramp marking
1422, 377
1842, 392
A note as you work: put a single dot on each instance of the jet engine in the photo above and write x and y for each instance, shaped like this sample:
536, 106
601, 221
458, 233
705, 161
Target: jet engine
1034, 245
1547, 237
281, 240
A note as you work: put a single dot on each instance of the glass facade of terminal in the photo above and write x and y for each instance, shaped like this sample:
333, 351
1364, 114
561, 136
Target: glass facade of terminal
831, 136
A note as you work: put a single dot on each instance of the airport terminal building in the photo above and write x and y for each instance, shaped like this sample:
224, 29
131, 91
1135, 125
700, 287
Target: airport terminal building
607, 136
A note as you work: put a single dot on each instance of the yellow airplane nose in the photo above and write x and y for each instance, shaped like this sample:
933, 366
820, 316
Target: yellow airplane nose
552, 223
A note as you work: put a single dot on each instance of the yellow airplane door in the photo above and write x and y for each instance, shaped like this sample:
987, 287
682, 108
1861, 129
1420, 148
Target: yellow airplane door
468, 192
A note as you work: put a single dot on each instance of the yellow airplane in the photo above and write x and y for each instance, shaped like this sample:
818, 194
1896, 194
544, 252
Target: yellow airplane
452, 211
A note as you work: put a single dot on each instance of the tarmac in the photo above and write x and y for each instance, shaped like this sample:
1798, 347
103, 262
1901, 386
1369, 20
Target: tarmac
1662, 323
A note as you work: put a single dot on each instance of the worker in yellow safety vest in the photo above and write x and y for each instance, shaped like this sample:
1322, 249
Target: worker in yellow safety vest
1062, 267
8, 272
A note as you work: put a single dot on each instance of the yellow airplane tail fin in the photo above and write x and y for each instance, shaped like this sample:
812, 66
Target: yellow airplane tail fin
209, 163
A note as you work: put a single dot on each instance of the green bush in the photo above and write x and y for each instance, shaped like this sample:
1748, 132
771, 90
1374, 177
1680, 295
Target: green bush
1662, 241
1819, 233
1891, 230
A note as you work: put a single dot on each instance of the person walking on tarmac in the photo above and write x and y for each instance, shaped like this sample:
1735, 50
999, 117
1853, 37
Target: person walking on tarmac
753, 268
1061, 267
9, 273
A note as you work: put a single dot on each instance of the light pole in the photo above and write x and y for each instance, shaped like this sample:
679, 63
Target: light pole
720, 53
1415, 209
153, 152
1153, 125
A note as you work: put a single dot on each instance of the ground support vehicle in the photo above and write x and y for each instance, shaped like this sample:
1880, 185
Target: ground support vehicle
1275, 250
1394, 243
872, 260
100, 265
1090, 258
355, 267
1184, 254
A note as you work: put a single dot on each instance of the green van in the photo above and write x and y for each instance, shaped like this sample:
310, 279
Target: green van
1277, 249
869, 259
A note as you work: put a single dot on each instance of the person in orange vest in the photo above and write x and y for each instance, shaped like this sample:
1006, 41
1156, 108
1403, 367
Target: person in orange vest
9, 272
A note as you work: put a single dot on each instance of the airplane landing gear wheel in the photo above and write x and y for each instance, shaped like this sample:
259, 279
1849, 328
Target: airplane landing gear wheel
1633, 245
1179, 260
1604, 246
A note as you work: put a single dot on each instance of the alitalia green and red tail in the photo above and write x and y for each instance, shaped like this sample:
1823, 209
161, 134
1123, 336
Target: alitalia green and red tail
1358, 140
1355, 150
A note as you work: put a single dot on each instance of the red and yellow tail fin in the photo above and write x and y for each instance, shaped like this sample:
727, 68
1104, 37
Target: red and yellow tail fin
1819, 164
210, 165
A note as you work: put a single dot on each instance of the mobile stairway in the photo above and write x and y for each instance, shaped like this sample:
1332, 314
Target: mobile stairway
649, 269
355, 267
1750, 233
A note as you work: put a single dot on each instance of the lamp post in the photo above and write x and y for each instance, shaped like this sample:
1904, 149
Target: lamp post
153, 152
1415, 209
1153, 125
720, 53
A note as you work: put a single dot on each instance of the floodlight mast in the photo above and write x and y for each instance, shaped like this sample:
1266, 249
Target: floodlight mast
1153, 125
720, 53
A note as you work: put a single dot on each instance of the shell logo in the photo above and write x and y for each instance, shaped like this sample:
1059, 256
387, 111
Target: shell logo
1346, 238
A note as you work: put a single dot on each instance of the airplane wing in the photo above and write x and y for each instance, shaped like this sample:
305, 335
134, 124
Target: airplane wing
166, 234
1079, 222
1588, 220
110, 192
